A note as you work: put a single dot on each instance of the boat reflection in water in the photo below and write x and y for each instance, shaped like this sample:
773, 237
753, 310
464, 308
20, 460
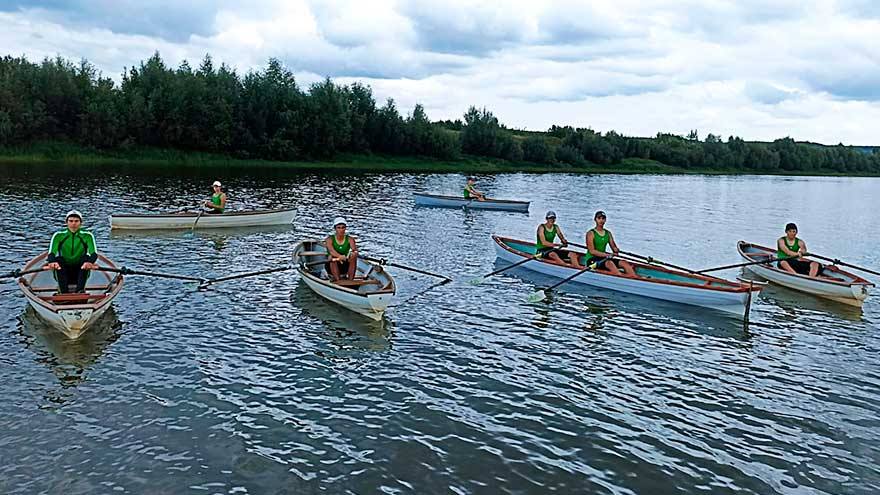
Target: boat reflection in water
347, 331
67, 359
792, 302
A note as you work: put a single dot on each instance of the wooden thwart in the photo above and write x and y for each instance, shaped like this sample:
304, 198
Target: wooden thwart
73, 297
356, 282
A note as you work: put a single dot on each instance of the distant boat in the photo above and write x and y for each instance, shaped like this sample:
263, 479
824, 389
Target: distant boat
837, 285
423, 199
185, 220
651, 281
71, 313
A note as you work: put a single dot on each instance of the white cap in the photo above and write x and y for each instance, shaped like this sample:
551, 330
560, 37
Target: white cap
217, 183
73, 213
338, 220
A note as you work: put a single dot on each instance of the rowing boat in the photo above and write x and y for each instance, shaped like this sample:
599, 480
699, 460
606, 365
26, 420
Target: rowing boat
423, 199
651, 281
72, 314
186, 220
836, 284
369, 293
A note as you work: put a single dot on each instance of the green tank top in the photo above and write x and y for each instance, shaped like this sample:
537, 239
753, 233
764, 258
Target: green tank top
343, 248
780, 254
600, 242
549, 235
216, 200
467, 193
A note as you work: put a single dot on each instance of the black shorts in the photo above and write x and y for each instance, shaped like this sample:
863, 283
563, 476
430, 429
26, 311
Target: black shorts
343, 266
545, 252
598, 260
800, 266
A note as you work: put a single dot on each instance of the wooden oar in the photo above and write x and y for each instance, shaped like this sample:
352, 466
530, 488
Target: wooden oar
404, 267
18, 273
540, 295
201, 212
208, 282
480, 280
128, 271
838, 262
725, 267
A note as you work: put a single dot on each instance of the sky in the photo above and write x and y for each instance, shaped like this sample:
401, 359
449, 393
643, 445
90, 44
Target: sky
759, 69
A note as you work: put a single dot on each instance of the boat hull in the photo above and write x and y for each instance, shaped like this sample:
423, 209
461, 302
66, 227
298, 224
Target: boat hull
730, 297
852, 290
456, 202
364, 301
206, 221
72, 320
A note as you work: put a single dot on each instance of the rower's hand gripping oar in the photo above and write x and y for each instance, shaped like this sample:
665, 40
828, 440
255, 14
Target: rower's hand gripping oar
480, 280
540, 295
404, 267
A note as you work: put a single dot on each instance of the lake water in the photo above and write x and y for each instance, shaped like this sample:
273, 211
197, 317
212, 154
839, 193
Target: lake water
258, 386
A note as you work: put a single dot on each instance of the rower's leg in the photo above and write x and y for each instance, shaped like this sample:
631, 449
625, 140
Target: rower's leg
814, 268
352, 267
573, 259
787, 267
627, 268
334, 270
554, 257
610, 266
61, 277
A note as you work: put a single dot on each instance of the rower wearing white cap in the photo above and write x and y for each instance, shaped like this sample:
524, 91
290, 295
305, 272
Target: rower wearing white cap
72, 253
217, 203
342, 250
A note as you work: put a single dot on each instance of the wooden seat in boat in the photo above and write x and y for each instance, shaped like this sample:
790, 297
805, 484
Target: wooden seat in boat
356, 282
77, 297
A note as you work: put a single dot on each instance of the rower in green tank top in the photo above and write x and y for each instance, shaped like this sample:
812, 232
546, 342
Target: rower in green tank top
217, 203
342, 251
790, 251
545, 245
470, 191
598, 239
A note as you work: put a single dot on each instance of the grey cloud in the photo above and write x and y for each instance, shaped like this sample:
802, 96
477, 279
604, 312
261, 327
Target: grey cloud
169, 20
476, 32
769, 94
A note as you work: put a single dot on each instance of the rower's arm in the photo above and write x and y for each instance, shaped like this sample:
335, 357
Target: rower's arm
561, 235
802, 248
54, 245
354, 246
91, 249
222, 200
613, 244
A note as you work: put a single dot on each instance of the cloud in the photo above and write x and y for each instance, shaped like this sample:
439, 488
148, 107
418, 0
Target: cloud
770, 94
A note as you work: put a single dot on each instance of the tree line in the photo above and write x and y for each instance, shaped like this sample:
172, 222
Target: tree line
265, 114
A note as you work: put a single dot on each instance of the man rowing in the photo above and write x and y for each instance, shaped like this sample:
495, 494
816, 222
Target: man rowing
546, 247
790, 251
471, 192
598, 239
342, 251
217, 203
72, 254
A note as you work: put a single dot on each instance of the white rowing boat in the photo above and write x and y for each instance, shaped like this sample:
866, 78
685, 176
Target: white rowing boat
652, 281
185, 220
423, 199
72, 314
369, 293
836, 284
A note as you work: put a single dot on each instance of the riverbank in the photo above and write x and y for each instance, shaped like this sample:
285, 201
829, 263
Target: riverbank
72, 155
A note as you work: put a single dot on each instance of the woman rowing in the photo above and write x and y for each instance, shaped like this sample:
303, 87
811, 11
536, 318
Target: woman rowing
545, 246
598, 239
790, 251
470, 190
342, 250
217, 203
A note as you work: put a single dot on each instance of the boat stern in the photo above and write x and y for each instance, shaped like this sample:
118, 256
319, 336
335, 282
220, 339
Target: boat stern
73, 322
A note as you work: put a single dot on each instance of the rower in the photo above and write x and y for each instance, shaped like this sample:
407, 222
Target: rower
342, 250
597, 240
471, 192
72, 254
547, 233
790, 251
217, 203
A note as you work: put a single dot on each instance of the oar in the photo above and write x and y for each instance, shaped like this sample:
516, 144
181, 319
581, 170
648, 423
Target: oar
838, 262
759, 262
540, 295
480, 280
18, 273
128, 271
404, 267
208, 282
193, 229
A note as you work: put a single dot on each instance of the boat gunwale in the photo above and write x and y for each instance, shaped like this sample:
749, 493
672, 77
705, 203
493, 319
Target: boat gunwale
732, 287
195, 214
857, 280
488, 200
30, 295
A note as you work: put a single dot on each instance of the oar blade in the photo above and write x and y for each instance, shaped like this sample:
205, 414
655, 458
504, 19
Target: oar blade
537, 296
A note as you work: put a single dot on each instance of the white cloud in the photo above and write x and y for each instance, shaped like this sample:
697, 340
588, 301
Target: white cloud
759, 69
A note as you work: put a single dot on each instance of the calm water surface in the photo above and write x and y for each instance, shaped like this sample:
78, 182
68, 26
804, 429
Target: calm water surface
258, 386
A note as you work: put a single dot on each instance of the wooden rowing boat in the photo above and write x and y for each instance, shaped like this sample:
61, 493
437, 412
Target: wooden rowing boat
652, 281
369, 293
72, 314
837, 284
423, 199
185, 220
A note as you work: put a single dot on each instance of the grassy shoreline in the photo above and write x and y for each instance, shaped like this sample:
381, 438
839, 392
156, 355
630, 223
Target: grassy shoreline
69, 155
